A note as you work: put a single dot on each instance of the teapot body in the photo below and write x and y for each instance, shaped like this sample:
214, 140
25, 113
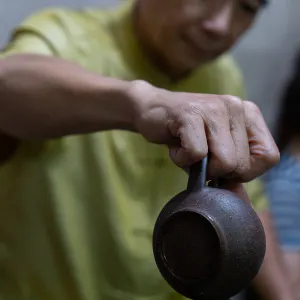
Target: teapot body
208, 243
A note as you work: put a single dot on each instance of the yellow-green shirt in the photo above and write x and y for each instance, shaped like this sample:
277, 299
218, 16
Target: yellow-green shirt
77, 213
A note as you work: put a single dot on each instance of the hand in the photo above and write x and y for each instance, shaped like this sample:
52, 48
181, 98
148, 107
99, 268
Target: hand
240, 144
237, 188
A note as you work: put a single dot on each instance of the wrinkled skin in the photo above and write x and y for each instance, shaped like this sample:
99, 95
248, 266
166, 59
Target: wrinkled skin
185, 33
180, 35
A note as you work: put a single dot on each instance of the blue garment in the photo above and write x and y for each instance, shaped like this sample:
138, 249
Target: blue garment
282, 185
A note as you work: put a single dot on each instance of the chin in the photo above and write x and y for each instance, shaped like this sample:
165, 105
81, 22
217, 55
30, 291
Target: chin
189, 68
197, 64
184, 65
194, 63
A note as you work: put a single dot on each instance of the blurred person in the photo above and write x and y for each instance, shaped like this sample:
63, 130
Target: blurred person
92, 104
283, 181
272, 280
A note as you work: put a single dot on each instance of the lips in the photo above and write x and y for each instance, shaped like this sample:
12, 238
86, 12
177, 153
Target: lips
196, 47
193, 46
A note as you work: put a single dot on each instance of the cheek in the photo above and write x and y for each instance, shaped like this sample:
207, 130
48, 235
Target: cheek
160, 32
180, 14
242, 25
191, 12
238, 30
170, 33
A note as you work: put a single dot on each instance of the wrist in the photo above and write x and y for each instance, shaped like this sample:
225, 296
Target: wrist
139, 94
126, 106
114, 106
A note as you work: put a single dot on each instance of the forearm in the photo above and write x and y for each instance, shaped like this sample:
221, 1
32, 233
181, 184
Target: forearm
272, 280
43, 97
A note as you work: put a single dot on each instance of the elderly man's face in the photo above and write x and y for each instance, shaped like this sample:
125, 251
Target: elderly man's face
190, 32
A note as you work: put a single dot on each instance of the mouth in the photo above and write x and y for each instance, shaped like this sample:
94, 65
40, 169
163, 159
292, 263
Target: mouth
192, 45
197, 50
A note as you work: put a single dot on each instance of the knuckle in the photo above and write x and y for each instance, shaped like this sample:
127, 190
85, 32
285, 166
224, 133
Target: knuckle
190, 119
232, 100
209, 107
252, 107
229, 165
272, 157
268, 156
180, 119
267, 159
190, 110
217, 109
234, 104
198, 154
138, 87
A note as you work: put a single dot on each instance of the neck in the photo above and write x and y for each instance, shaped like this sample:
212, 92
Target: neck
174, 72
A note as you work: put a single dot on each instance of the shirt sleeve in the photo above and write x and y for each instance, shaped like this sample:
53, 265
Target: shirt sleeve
27, 42
41, 33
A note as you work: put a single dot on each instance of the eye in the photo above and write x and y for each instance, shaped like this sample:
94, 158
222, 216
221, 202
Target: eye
251, 8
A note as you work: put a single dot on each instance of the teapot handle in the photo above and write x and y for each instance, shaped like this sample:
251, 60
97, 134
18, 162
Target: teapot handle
197, 177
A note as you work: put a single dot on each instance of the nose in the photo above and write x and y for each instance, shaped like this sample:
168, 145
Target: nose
218, 23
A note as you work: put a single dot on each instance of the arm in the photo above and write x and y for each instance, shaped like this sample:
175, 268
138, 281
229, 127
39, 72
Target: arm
46, 97
272, 280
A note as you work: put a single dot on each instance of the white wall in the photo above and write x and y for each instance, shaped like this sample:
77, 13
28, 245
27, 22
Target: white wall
14, 11
264, 54
267, 52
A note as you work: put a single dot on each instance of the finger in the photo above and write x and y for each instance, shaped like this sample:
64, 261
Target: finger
235, 187
220, 143
239, 135
193, 142
264, 153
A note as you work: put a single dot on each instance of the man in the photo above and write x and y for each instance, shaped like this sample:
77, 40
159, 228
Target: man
82, 93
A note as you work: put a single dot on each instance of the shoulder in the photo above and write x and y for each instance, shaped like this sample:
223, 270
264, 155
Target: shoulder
227, 68
64, 18
227, 76
62, 27
46, 21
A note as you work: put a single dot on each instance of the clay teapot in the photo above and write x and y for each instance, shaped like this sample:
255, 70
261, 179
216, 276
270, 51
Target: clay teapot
208, 243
